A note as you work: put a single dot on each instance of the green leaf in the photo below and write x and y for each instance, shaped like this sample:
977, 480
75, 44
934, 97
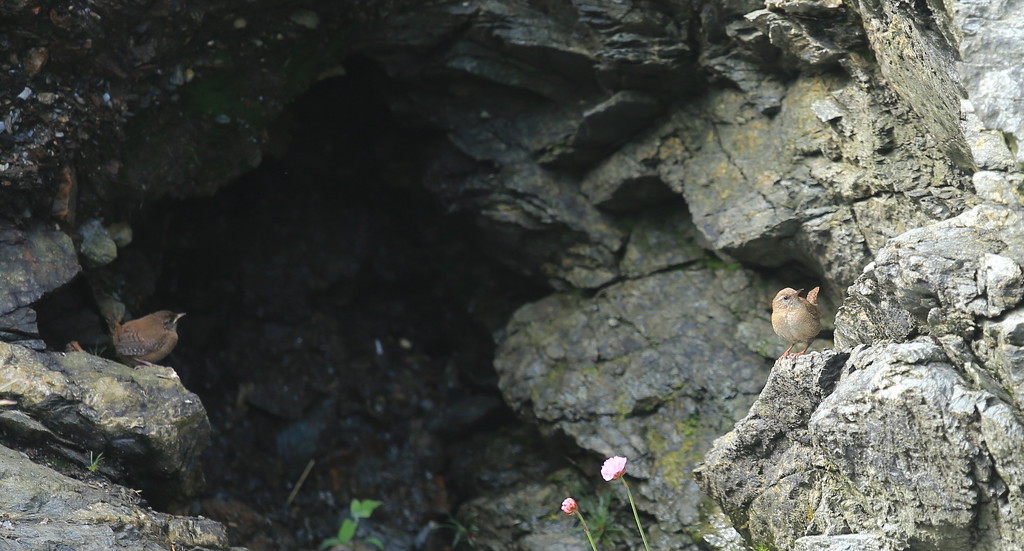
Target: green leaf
364, 508
329, 542
347, 530
375, 541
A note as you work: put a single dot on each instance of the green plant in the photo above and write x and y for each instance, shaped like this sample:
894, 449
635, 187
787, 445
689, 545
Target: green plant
461, 531
601, 518
358, 509
94, 461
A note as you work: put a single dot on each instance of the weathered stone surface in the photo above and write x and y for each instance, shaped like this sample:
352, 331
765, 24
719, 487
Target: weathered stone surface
655, 384
602, 127
33, 262
845, 542
781, 171
529, 507
1000, 188
927, 280
760, 189
1001, 350
916, 59
530, 142
97, 247
43, 509
792, 36
760, 459
903, 406
150, 429
664, 239
899, 449
987, 39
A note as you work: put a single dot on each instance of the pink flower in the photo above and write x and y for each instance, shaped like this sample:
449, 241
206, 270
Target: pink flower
569, 506
613, 468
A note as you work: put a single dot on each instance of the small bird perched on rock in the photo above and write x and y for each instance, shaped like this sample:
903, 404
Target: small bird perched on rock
796, 319
147, 339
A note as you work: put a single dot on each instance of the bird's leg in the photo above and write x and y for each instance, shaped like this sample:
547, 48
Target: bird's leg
804, 350
786, 353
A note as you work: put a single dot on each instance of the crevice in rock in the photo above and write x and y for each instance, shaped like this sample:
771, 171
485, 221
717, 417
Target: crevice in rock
336, 314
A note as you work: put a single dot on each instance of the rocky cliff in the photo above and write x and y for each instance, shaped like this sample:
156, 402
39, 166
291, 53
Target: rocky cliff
652, 171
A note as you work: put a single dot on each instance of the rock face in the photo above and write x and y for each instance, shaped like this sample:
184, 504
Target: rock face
32, 262
683, 366
136, 426
833, 143
663, 167
772, 173
889, 442
903, 444
149, 428
39, 506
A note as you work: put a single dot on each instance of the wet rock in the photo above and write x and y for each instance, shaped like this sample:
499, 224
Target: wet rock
650, 369
141, 89
33, 262
44, 508
150, 429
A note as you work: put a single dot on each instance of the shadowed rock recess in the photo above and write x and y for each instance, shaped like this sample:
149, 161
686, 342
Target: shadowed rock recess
628, 184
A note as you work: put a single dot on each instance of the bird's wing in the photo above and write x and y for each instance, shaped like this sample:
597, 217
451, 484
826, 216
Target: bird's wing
813, 310
130, 343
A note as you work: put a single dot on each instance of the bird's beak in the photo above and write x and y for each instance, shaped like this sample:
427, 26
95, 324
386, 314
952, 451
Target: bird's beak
178, 317
798, 291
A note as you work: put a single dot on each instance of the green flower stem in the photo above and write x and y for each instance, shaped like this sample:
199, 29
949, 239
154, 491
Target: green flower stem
635, 514
587, 530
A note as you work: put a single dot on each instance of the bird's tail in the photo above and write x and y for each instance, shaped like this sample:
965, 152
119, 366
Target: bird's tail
812, 295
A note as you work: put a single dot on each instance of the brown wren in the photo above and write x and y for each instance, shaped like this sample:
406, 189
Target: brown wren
796, 319
147, 339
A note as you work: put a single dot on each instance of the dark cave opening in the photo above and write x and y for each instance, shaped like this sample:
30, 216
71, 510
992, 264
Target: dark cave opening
337, 317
